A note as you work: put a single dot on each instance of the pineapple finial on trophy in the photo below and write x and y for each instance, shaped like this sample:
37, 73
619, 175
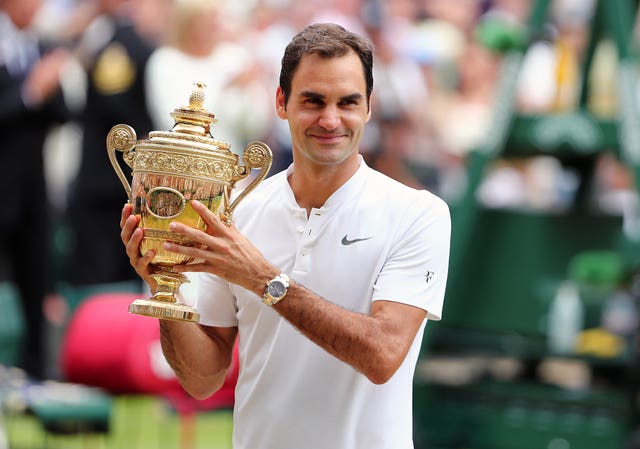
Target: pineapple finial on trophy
196, 100
195, 119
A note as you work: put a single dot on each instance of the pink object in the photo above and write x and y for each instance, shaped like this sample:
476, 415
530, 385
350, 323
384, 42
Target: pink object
107, 347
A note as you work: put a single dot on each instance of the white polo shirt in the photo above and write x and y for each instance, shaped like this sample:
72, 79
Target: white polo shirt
374, 239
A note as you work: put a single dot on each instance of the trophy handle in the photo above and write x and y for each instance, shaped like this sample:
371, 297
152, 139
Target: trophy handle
256, 155
122, 138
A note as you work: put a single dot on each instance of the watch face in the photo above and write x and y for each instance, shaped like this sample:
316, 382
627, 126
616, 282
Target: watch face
277, 289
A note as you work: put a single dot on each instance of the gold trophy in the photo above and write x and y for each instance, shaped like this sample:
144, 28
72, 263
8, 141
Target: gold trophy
170, 169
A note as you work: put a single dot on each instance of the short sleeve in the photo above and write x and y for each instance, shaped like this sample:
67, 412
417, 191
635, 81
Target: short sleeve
214, 301
415, 271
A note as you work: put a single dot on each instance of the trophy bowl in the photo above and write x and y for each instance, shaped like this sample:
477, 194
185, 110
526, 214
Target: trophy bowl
171, 169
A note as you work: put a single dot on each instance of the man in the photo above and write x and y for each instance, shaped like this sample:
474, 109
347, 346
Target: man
327, 357
31, 102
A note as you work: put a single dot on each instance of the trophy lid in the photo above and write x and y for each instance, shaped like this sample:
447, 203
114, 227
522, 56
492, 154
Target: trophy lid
195, 119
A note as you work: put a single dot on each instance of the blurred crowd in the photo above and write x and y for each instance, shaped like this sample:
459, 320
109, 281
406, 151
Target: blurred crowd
71, 69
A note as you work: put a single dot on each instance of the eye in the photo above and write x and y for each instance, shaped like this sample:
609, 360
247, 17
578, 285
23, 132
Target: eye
349, 102
314, 101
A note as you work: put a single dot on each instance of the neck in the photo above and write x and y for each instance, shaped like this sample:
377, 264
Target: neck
312, 185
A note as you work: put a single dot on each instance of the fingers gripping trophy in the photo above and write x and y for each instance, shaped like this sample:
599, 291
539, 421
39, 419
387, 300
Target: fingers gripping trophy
170, 169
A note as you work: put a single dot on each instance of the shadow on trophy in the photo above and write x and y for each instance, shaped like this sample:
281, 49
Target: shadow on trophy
171, 169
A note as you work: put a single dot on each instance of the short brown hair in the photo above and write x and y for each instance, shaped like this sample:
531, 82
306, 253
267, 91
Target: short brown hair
327, 40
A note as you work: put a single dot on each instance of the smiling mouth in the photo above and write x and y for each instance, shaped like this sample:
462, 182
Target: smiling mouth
330, 138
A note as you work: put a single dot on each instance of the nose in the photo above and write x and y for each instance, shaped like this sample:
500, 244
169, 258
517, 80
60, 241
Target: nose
329, 118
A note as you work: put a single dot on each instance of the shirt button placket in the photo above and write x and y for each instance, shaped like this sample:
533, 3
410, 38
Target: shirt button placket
302, 259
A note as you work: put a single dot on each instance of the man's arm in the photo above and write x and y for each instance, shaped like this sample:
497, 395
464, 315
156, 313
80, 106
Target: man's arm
199, 355
374, 344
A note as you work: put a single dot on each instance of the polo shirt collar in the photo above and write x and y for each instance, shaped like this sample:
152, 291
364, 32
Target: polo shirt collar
344, 192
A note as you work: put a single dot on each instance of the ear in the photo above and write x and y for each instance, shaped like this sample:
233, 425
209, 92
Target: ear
281, 106
369, 107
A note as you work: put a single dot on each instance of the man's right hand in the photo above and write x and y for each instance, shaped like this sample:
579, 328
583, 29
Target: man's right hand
131, 236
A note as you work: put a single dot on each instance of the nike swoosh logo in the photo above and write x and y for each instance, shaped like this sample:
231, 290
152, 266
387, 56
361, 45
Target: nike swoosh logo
346, 241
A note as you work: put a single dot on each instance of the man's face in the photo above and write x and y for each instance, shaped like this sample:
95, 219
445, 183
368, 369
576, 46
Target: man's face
327, 109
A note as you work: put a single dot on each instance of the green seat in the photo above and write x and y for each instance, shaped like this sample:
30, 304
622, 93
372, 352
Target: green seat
70, 409
12, 325
520, 415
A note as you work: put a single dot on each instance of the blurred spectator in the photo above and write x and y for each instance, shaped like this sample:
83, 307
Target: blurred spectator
115, 48
347, 13
202, 47
268, 30
463, 115
462, 14
31, 101
396, 140
396, 109
550, 77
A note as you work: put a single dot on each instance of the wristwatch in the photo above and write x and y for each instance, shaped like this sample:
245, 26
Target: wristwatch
276, 289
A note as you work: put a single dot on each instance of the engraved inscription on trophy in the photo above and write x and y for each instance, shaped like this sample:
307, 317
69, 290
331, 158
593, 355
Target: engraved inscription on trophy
164, 202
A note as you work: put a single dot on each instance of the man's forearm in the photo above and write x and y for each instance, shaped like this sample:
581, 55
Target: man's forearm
199, 356
374, 344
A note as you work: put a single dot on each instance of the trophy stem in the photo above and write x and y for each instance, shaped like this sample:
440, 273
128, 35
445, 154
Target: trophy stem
164, 304
169, 283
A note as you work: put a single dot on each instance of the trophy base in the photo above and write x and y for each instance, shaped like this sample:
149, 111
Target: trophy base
164, 310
